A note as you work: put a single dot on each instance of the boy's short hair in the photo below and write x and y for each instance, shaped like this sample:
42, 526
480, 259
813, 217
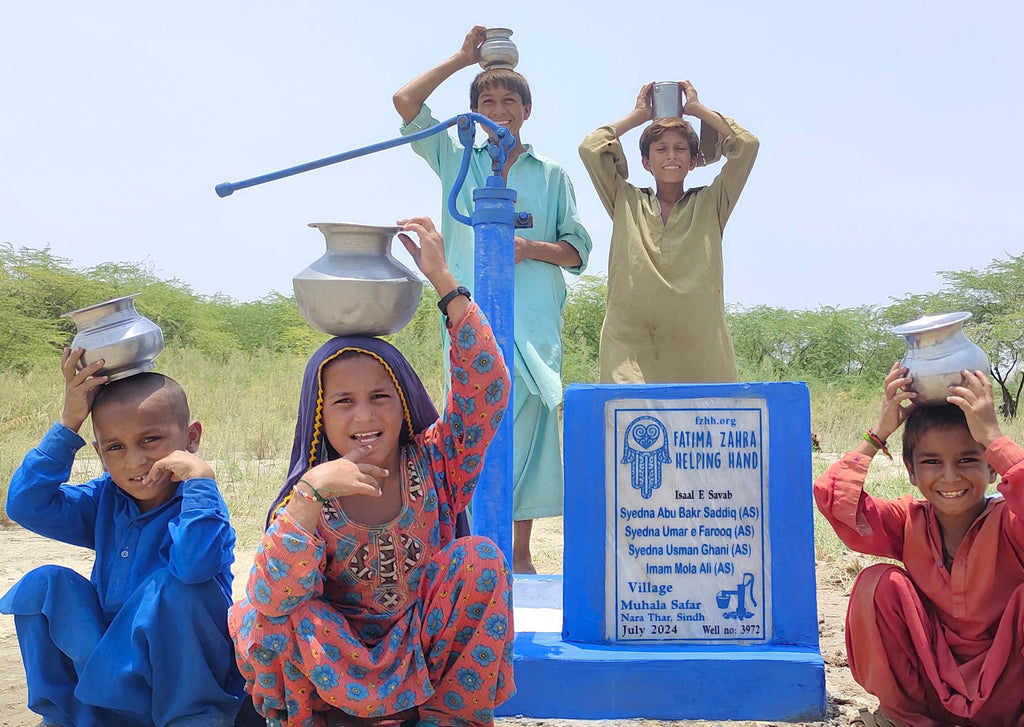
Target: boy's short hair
139, 387
658, 128
943, 416
506, 77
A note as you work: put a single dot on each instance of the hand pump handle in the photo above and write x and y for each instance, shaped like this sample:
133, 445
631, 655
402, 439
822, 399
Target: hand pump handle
504, 141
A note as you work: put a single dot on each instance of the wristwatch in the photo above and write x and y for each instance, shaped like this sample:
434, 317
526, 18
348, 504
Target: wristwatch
443, 303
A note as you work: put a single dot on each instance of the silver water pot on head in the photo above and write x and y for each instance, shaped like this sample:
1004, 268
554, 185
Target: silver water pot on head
937, 351
498, 50
114, 331
357, 287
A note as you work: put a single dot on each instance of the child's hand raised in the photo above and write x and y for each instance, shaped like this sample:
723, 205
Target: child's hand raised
429, 258
974, 397
689, 96
894, 411
644, 107
79, 388
429, 253
178, 466
641, 113
349, 475
470, 50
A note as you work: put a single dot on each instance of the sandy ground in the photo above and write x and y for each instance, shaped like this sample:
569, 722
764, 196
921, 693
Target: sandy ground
23, 551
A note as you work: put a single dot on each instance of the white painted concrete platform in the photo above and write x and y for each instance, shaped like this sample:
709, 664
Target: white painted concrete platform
537, 604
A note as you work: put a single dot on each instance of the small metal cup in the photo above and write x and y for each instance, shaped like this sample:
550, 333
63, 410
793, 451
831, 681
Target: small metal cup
667, 99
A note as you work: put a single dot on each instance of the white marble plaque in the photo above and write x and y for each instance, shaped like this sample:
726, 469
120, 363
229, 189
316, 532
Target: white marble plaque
688, 557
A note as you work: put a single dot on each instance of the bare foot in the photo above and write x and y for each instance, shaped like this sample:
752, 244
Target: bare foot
522, 560
523, 566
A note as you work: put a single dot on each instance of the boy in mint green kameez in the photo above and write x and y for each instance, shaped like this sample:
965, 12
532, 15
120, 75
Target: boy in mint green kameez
556, 241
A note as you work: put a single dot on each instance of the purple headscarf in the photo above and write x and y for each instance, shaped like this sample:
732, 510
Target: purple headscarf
310, 447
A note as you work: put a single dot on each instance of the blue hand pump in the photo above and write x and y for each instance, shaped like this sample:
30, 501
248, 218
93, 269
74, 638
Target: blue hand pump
494, 220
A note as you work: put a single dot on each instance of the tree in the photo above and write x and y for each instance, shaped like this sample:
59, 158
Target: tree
272, 323
171, 304
822, 344
581, 331
35, 289
995, 298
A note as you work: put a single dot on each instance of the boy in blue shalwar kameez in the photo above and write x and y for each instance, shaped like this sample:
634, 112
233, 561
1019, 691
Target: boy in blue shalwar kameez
144, 641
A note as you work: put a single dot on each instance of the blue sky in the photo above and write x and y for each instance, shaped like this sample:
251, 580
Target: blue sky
891, 142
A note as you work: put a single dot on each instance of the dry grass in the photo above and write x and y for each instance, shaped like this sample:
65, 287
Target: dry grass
247, 406
546, 545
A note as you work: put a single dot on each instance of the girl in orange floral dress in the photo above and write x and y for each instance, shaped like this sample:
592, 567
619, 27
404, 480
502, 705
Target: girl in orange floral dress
362, 606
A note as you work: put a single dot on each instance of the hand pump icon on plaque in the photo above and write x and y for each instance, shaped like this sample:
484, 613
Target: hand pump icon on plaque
743, 588
645, 449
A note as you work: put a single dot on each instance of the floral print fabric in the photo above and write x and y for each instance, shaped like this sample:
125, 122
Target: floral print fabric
371, 621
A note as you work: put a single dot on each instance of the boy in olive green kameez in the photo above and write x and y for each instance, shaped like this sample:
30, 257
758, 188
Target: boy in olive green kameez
665, 317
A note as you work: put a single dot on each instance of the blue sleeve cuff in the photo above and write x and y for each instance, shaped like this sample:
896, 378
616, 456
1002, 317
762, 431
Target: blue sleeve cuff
201, 493
60, 443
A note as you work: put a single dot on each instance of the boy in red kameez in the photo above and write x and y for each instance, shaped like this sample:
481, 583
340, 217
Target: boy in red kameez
940, 640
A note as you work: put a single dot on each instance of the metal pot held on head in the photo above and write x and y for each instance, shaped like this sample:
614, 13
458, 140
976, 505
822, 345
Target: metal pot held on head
498, 50
357, 287
937, 352
666, 99
114, 331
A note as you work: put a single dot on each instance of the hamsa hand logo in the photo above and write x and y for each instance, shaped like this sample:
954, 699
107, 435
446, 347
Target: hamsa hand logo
645, 449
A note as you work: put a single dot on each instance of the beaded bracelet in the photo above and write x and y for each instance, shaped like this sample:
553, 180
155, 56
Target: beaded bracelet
878, 443
314, 497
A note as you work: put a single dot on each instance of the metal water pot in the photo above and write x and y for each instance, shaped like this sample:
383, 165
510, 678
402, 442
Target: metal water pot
114, 331
357, 287
937, 351
666, 99
498, 50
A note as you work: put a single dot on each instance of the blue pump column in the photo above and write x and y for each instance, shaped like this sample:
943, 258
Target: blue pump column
493, 220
